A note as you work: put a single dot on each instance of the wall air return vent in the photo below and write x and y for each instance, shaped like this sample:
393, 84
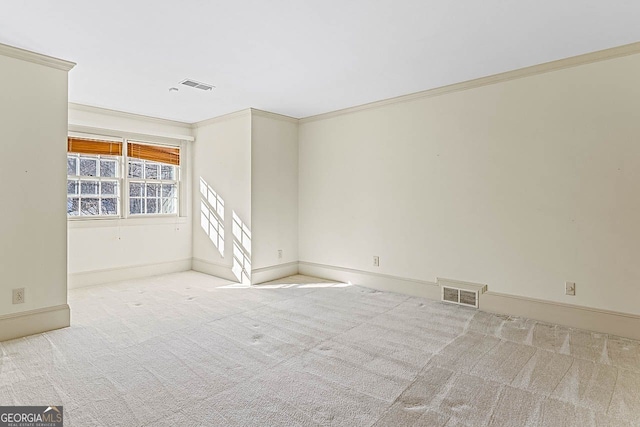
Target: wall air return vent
461, 293
196, 85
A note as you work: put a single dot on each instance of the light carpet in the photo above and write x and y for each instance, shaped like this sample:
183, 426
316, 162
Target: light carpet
186, 350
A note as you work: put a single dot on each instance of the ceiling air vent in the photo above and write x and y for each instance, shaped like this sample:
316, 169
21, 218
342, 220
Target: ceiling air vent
196, 85
461, 293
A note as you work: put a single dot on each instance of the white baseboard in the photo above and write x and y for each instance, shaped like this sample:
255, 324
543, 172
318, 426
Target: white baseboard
603, 321
273, 272
97, 277
17, 325
213, 269
592, 319
575, 316
381, 282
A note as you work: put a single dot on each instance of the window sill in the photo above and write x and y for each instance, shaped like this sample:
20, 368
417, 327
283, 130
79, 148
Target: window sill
124, 222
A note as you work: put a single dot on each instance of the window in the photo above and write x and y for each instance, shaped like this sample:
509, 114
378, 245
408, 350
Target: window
96, 186
93, 177
153, 173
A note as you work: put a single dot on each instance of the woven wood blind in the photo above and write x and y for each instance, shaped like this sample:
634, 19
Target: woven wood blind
92, 146
155, 153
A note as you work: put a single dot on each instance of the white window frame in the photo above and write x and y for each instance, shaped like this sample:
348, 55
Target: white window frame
99, 180
128, 180
124, 180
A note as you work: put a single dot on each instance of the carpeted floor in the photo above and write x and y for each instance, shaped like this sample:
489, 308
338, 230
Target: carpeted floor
184, 350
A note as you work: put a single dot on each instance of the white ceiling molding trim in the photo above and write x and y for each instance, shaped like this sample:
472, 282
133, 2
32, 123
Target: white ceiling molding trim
275, 116
125, 115
574, 61
241, 113
119, 132
36, 58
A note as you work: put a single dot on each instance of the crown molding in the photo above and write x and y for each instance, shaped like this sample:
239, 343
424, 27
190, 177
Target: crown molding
225, 117
36, 58
117, 132
125, 115
242, 113
574, 61
274, 116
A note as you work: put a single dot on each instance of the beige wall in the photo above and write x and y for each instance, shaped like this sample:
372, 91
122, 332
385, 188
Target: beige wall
522, 185
274, 194
108, 250
248, 159
222, 161
33, 232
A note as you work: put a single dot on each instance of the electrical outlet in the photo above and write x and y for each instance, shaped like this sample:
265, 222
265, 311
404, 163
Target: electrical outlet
18, 296
570, 288
279, 253
376, 261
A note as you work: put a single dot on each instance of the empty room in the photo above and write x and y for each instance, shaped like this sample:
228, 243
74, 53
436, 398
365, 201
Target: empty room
319, 213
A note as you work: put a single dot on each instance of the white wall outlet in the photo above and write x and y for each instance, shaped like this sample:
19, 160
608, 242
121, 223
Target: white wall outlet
376, 261
18, 296
570, 288
279, 253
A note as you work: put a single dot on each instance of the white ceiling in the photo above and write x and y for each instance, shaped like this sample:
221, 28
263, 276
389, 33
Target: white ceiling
299, 57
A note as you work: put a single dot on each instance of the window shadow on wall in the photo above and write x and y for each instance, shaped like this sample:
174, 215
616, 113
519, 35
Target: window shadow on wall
212, 215
241, 250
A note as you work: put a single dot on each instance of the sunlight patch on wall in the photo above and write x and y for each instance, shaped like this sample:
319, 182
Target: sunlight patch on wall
241, 250
212, 215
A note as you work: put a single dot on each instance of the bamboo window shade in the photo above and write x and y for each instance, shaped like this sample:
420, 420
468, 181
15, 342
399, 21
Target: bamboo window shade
94, 146
155, 153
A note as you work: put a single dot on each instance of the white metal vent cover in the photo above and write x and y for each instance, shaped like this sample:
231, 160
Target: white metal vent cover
461, 293
197, 85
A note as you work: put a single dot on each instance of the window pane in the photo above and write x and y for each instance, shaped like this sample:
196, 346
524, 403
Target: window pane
168, 172
72, 165
89, 187
108, 187
73, 207
136, 189
168, 206
168, 190
109, 206
151, 170
152, 206
108, 168
88, 167
72, 187
135, 170
153, 190
135, 206
89, 206
101, 196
